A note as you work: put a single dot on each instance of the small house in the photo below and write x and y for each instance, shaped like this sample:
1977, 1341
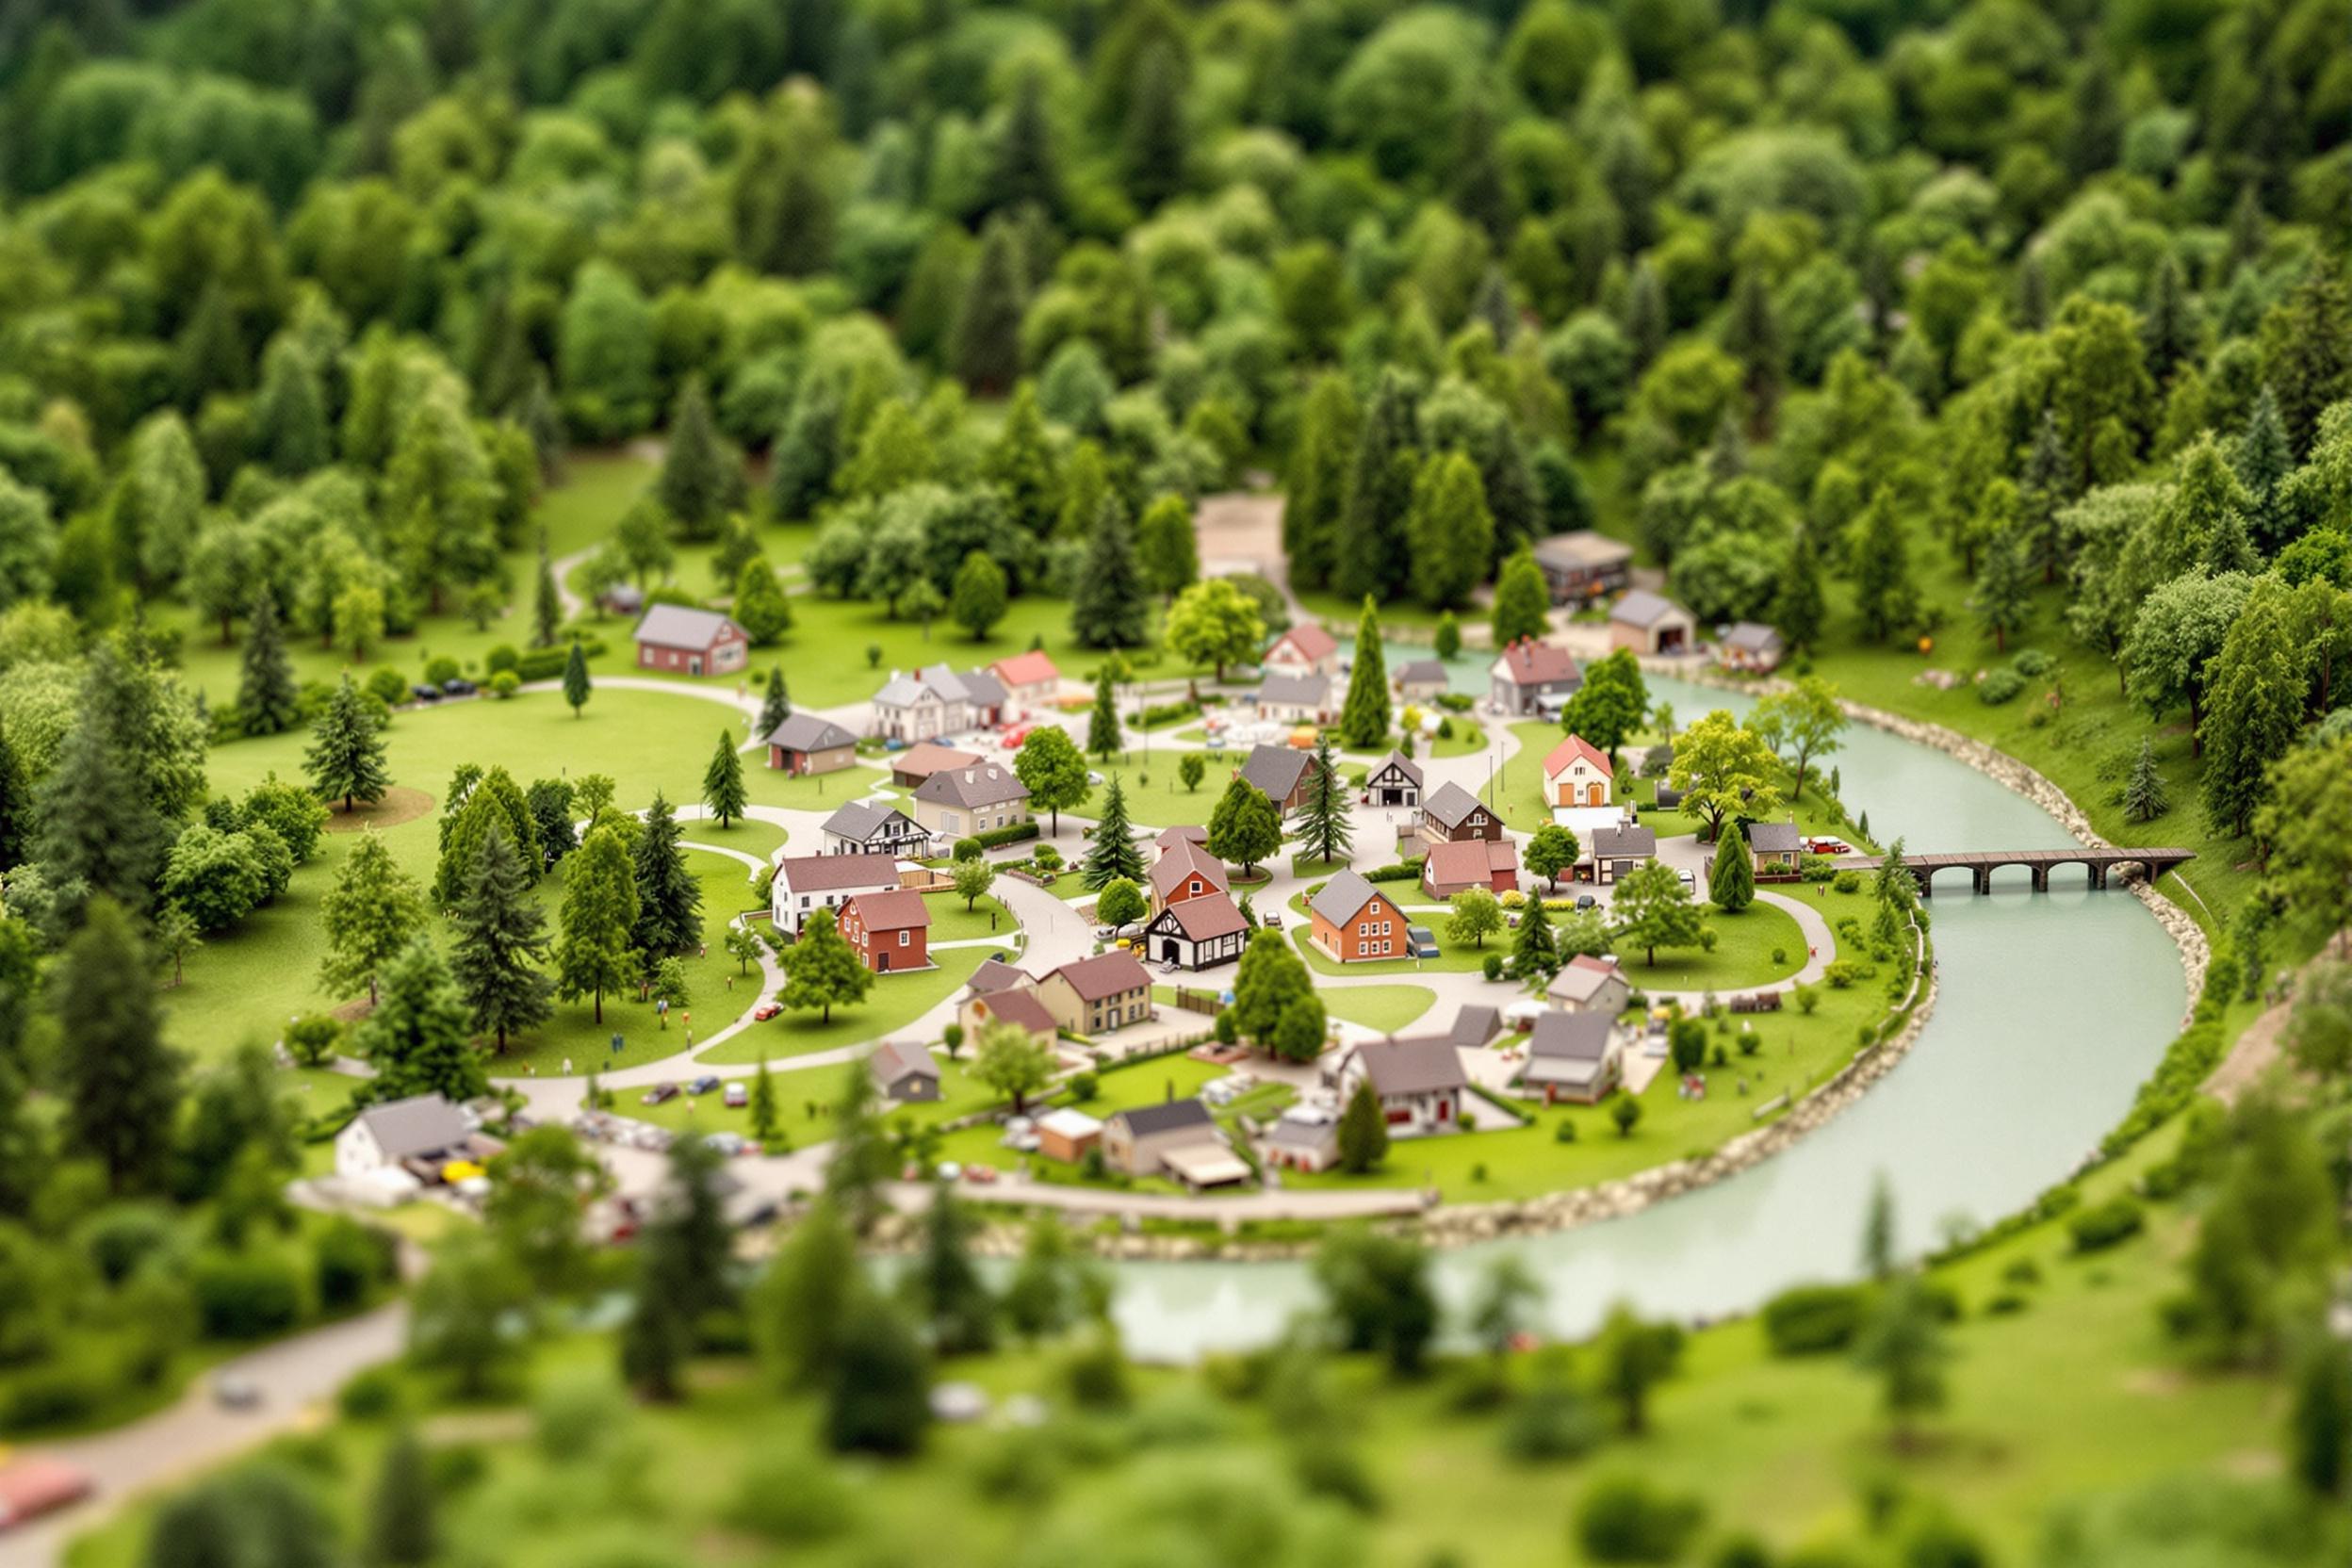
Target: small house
1578, 774
1529, 678
680, 639
1304, 650
1418, 1081
1295, 699
1457, 867
1030, 681
1139, 1141
1777, 846
904, 1071
1749, 647
1067, 1134
1572, 1057
995, 974
1186, 872
1650, 624
806, 744
1016, 1004
806, 883
419, 1135
870, 828
1582, 565
1186, 833
1475, 1024
1395, 781
909, 768
1280, 775
1097, 995
956, 803
983, 700
1303, 1139
1589, 984
890, 931
1613, 852
1197, 933
1353, 921
1452, 814
921, 705
1423, 680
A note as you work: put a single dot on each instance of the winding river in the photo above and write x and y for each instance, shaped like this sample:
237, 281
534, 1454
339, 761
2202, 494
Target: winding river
2053, 1007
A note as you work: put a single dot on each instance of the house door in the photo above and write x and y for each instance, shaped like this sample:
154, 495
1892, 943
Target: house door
1167, 951
883, 967
1595, 796
1445, 1109
694, 663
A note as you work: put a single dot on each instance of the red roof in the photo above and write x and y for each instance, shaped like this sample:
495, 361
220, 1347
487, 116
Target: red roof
1533, 663
1471, 861
1311, 642
1570, 750
1599, 966
899, 909
1027, 669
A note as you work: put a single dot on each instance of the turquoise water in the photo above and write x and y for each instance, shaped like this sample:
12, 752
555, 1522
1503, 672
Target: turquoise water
2053, 1007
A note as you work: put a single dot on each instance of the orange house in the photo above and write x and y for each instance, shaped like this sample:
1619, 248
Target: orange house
891, 931
1353, 921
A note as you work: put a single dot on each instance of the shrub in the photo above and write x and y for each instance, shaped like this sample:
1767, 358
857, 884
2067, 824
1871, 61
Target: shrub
1847, 881
1624, 1519
1403, 871
1332, 1470
1810, 1320
1552, 1421
1780, 956
388, 685
969, 849
71, 1388
1084, 1086
2000, 687
1564, 1132
1493, 966
1020, 832
369, 1394
2106, 1225
1096, 1374
1047, 859
247, 1295
547, 663
1843, 972
796, 1499
504, 684
442, 669
503, 656
2030, 663
350, 1260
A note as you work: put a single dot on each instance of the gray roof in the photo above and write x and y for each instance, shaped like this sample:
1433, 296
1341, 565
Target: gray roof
810, 732
1582, 979
1169, 1116
1402, 763
679, 625
1423, 672
1311, 1137
1752, 635
905, 691
984, 784
1582, 547
1623, 843
895, 1059
1342, 896
1306, 691
1424, 1064
1576, 1037
1475, 1024
995, 974
1640, 607
982, 688
1449, 805
1276, 770
1774, 837
861, 821
421, 1124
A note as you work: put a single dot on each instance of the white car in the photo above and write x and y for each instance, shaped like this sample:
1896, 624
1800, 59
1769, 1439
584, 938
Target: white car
1688, 880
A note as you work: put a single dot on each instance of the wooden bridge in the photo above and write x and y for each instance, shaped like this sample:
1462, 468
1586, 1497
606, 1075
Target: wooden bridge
2101, 863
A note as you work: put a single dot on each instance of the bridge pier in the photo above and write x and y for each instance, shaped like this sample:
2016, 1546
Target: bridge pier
2098, 877
1983, 878
2041, 878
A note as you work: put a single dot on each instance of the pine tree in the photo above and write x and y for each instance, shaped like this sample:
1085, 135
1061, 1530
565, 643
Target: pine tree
1523, 601
370, 914
1028, 163
345, 755
1732, 884
575, 685
15, 810
289, 415
1646, 313
2169, 324
1323, 826
766, 1125
547, 605
1111, 853
1451, 530
1156, 145
120, 1082
401, 1531
1316, 485
669, 900
701, 479
1363, 1131
1480, 189
723, 782
1363, 720
2263, 462
1102, 735
821, 968
99, 827
2257, 692
266, 697
776, 706
2307, 351
417, 1039
1372, 556
2032, 293
1532, 950
2144, 798
1112, 607
2004, 599
2045, 486
593, 956
211, 350
1752, 337
985, 350
500, 944
1798, 610
1882, 587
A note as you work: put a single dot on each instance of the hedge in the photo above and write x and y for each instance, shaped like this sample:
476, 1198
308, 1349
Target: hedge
547, 663
1403, 871
2109, 1224
1811, 1321
1020, 832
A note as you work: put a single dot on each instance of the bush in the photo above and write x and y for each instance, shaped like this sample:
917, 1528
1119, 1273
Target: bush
1165, 712
2000, 687
969, 849
1403, 871
388, 685
1084, 1086
1552, 1421
1811, 1321
1096, 1374
441, 669
247, 1295
547, 663
1330, 1470
1564, 1131
71, 1388
503, 656
2032, 662
369, 1394
1624, 1519
1843, 974
794, 1498
350, 1260
2109, 1224
1493, 966
504, 684
1021, 832
1847, 882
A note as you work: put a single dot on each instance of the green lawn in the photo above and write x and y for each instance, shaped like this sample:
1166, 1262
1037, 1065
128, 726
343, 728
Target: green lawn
1387, 1008
952, 923
1452, 956
805, 1099
895, 1002
819, 792
1744, 945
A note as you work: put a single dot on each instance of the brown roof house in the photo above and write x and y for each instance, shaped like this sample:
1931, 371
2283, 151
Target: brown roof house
1097, 995
1583, 564
1419, 1082
679, 638
1571, 1056
1615, 852
891, 931
806, 744
1647, 622
919, 761
1304, 650
1589, 984
806, 883
1183, 871
1281, 774
1452, 814
1176, 1138
904, 1071
1452, 868
1017, 1004
1529, 676
1197, 933
955, 803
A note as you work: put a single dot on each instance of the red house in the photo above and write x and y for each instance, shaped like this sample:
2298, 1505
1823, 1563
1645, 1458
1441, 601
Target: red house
686, 641
1354, 921
1489, 863
891, 931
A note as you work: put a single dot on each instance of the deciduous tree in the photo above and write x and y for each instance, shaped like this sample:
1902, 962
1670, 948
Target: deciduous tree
1724, 768
822, 970
1054, 771
1654, 909
1244, 829
595, 953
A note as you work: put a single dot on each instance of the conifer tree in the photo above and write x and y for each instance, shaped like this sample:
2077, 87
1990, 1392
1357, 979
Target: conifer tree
1883, 593
1364, 718
2004, 599
1028, 162
99, 827
822, 969
593, 956
701, 478
266, 697
1363, 1131
1112, 607
1449, 635
985, 350
369, 915
547, 604
1111, 854
1102, 736
2307, 351
1752, 337
1533, 953
669, 900
418, 1036
290, 412
765, 1124
402, 1530
1155, 144
2045, 486
1372, 558
575, 685
345, 755
2144, 798
1797, 607
1731, 885
500, 944
1316, 487
120, 1082
1451, 530
15, 810
723, 782
954, 1297
776, 706
1323, 828
1523, 602
2258, 690
1021, 463
2263, 462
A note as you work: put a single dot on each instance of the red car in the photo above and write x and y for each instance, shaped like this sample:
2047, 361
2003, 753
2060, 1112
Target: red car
35, 1485
1828, 846
765, 1011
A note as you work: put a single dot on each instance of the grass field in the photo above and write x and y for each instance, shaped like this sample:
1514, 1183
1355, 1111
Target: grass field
895, 1002
1744, 946
1387, 1008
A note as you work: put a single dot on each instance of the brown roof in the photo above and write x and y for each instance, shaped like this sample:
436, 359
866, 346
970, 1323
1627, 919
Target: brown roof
1471, 860
995, 974
926, 757
825, 874
1423, 1065
1530, 662
1105, 974
899, 909
1188, 834
1018, 1004
1449, 805
1205, 918
1185, 859
895, 1059
1310, 640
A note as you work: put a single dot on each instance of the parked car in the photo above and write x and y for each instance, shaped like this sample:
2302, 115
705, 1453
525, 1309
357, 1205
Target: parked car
704, 1084
1015, 736
1420, 941
738, 1094
1827, 846
457, 687
658, 1095
232, 1390
765, 1011
982, 1174
34, 1484
1685, 878
1586, 901
425, 693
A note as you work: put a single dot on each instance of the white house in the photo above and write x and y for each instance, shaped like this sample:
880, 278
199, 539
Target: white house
1304, 650
806, 883
1197, 932
1419, 1081
1576, 773
422, 1127
1295, 699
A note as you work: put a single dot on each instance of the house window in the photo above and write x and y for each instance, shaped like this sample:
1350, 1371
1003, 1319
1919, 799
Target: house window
905, 939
